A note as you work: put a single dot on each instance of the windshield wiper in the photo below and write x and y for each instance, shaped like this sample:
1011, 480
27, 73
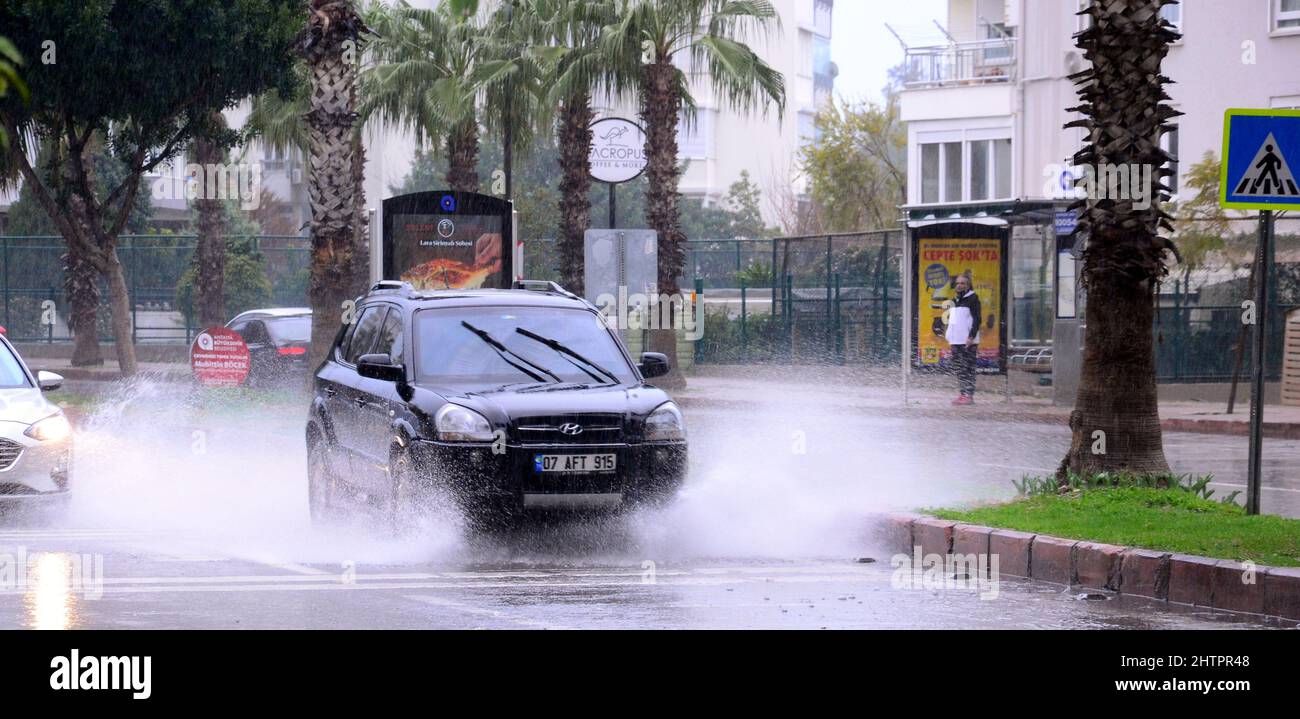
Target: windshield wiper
563, 350
502, 351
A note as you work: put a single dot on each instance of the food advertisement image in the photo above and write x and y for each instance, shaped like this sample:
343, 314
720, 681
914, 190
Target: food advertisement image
436, 252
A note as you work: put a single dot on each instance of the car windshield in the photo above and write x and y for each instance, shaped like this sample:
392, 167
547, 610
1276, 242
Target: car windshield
11, 373
455, 346
290, 329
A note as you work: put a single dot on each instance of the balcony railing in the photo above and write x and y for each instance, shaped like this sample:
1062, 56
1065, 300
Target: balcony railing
967, 63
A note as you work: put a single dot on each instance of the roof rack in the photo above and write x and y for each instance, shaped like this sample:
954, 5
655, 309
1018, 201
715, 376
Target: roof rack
543, 286
384, 285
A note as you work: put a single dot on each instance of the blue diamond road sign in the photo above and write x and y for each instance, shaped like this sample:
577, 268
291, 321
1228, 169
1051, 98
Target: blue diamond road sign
1261, 153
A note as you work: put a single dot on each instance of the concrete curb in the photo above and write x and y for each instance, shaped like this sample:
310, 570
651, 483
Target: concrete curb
1175, 578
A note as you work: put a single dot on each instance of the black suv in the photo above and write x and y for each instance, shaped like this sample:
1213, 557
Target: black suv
504, 400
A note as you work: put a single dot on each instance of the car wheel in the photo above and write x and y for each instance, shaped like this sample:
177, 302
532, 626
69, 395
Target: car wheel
411, 496
322, 481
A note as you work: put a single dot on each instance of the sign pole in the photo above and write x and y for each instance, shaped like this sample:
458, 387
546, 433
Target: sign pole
1260, 344
613, 205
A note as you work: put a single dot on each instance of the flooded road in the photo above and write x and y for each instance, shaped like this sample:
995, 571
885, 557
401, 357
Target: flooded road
194, 515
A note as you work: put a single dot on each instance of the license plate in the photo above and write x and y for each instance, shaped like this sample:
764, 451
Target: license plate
573, 462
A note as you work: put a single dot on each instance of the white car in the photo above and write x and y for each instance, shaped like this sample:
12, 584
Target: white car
35, 437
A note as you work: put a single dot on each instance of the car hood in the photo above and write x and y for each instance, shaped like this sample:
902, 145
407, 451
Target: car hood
503, 406
24, 405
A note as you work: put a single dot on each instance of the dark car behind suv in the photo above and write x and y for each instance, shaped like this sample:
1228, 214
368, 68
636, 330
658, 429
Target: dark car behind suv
505, 400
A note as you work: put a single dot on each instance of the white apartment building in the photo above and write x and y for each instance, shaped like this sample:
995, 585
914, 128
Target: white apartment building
985, 115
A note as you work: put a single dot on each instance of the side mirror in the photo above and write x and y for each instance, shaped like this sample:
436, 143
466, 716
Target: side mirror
380, 367
654, 364
49, 381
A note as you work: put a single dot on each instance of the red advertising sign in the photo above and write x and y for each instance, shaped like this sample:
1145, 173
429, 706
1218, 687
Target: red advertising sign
219, 358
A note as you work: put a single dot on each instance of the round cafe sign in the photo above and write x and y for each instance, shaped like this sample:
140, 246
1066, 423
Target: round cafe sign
617, 150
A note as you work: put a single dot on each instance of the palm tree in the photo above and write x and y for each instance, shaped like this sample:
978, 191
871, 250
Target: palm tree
330, 45
712, 33
582, 70
1115, 422
425, 78
515, 70
278, 119
210, 249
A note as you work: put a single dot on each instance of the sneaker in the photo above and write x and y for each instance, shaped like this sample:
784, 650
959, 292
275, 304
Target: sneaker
964, 400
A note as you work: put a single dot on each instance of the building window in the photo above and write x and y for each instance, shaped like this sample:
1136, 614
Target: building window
990, 169
952, 190
1002, 168
1169, 143
981, 173
695, 142
1286, 15
930, 173
1174, 14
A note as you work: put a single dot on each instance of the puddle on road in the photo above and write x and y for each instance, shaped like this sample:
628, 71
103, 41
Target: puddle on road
785, 482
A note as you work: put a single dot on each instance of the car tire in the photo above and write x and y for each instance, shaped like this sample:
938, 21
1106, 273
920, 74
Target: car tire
322, 480
411, 494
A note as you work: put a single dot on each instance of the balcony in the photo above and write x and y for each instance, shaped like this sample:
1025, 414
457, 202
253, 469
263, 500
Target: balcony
984, 62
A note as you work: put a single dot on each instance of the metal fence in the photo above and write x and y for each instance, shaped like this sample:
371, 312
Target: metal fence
1200, 343
31, 276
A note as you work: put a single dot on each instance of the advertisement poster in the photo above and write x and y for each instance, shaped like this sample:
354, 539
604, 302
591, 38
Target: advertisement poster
939, 262
436, 252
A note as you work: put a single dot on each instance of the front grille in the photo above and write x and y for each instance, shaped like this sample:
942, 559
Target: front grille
9, 451
549, 429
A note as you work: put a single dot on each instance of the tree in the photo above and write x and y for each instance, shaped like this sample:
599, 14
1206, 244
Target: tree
10, 61
209, 150
1115, 422
857, 168
582, 69
331, 47
278, 118
712, 34
81, 288
203, 56
425, 77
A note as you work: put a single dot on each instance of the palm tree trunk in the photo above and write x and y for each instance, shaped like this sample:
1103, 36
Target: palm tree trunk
575, 189
331, 186
81, 290
1116, 419
210, 249
660, 107
361, 247
462, 157
80, 281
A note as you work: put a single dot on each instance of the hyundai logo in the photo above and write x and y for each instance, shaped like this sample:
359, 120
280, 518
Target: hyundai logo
571, 429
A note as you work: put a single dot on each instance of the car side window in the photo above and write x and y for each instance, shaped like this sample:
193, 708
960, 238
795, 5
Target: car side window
390, 337
347, 336
364, 336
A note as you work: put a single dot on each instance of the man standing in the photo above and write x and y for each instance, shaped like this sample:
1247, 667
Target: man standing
964, 336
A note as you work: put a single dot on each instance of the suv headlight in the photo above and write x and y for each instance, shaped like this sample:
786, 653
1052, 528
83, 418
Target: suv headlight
459, 424
54, 428
665, 424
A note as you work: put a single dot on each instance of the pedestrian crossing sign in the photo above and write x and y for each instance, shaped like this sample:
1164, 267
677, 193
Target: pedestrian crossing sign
1261, 151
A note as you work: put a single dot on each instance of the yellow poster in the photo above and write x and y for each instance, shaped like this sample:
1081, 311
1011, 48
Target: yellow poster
939, 262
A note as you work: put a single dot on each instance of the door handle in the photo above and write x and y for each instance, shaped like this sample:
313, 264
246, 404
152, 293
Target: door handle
361, 401
330, 391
